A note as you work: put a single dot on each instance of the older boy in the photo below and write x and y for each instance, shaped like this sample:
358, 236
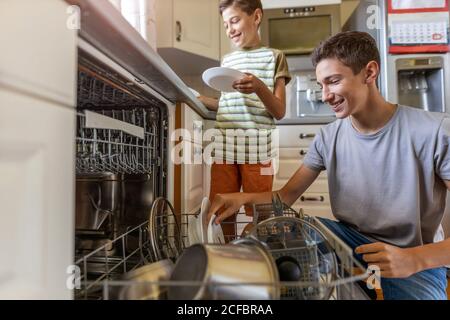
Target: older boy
260, 97
388, 172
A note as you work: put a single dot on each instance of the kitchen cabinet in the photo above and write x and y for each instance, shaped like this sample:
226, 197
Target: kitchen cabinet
30, 60
37, 125
193, 26
192, 179
192, 168
294, 142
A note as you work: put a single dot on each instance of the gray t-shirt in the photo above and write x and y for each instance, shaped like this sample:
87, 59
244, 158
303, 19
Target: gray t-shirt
388, 185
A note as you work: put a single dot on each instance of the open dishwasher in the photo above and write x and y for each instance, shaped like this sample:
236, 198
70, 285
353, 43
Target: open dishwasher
171, 268
121, 168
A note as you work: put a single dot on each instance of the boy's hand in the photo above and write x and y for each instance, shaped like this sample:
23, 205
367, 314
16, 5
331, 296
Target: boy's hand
248, 84
394, 262
230, 203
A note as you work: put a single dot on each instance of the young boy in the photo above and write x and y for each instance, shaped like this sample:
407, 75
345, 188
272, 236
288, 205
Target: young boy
388, 172
258, 100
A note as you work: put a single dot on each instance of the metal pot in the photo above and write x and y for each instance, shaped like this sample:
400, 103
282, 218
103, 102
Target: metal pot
233, 271
144, 281
97, 199
138, 197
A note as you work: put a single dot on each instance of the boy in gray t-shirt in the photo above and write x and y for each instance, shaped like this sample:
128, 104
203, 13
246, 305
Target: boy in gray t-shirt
388, 169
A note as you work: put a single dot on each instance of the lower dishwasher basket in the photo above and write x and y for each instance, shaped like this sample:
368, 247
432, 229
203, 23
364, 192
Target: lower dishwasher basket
109, 283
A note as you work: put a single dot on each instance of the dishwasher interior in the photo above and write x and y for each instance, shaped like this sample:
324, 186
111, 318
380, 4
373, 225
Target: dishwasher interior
121, 168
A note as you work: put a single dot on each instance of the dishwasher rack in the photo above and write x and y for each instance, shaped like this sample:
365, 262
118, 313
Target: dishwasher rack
100, 150
121, 147
110, 282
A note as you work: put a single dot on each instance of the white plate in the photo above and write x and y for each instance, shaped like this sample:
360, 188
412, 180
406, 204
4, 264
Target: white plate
197, 224
215, 232
221, 78
204, 209
194, 230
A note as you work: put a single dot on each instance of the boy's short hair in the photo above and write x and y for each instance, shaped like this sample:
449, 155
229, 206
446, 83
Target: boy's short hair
248, 6
352, 48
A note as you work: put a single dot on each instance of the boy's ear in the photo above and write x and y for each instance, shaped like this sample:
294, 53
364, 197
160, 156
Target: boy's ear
258, 16
372, 72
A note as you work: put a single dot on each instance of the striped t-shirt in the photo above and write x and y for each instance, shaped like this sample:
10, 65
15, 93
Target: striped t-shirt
244, 126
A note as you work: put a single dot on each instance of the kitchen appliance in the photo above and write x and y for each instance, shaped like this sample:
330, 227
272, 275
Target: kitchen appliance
420, 82
121, 152
297, 30
200, 274
308, 96
302, 254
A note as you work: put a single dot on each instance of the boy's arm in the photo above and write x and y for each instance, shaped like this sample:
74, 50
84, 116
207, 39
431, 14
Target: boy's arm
395, 262
230, 203
211, 103
275, 102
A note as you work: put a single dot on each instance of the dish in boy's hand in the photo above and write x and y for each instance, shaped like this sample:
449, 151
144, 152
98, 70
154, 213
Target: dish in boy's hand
221, 79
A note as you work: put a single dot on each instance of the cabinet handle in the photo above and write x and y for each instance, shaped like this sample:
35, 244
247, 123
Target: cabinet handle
178, 36
307, 135
319, 199
303, 152
197, 126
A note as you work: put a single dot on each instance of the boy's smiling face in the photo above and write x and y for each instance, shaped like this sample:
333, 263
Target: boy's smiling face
242, 28
345, 92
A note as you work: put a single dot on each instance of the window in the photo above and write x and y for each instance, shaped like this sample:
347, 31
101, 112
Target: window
135, 12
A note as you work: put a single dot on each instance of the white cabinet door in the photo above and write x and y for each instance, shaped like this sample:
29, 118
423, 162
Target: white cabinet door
290, 161
196, 27
297, 136
191, 179
38, 63
192, 169
35, 39
193, 125
36, 196
294, 143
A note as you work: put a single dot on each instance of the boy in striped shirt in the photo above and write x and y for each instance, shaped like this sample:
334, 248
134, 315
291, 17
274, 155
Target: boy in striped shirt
245, 119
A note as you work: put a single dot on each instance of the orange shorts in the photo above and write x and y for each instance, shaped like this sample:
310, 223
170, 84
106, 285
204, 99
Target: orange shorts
229, 178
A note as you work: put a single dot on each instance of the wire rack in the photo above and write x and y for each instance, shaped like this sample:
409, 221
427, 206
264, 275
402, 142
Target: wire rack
123, 243
100, 150
173, 238
158, 239
107, 93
